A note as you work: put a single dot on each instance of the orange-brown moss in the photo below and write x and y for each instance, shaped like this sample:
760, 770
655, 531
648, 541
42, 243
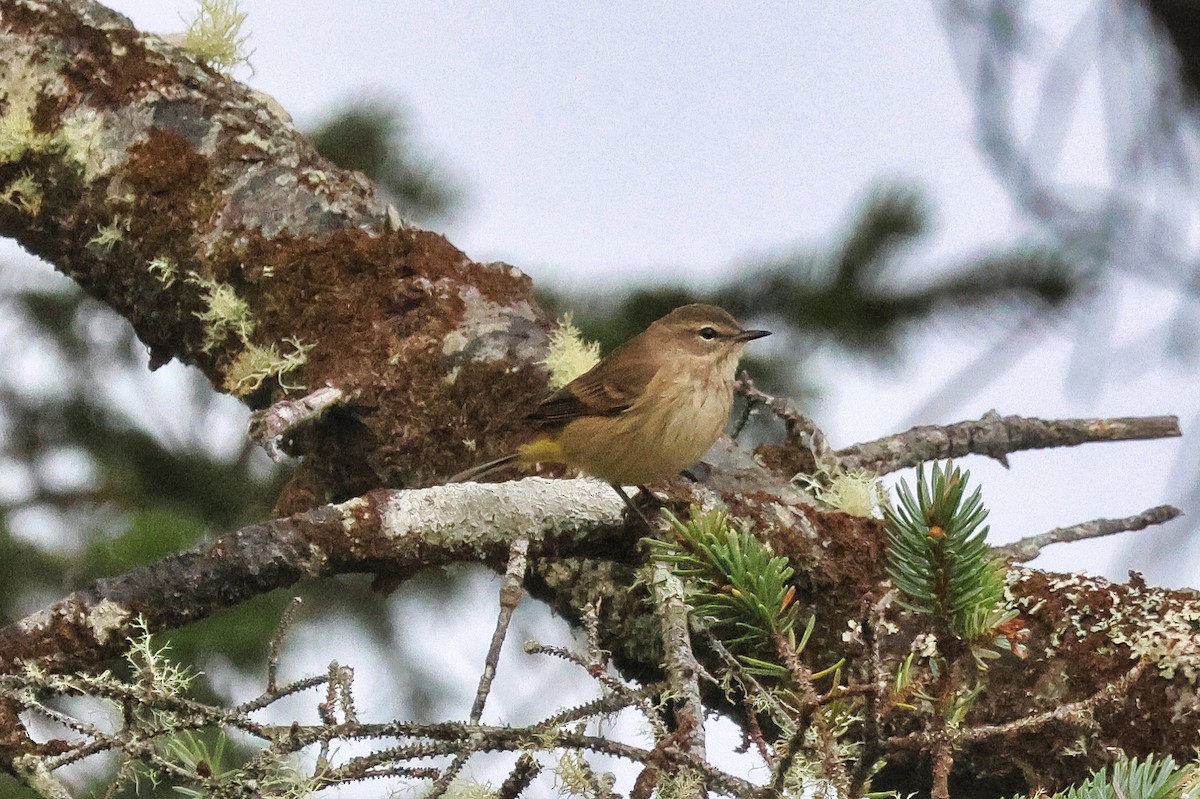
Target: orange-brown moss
107, 66
377, 309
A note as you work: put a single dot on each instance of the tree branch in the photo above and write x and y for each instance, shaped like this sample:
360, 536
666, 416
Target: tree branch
1030, 547
191, 205
996, 437
403, 531
683, 670
399, 532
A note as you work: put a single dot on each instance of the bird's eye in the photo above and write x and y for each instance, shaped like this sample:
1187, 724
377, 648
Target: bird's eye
707, 333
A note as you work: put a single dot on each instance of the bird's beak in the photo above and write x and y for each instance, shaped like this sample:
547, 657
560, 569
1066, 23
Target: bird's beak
750, 335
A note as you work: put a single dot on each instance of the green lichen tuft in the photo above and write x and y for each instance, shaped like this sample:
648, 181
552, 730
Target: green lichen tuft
470, 789
856, 491
17, 133
215, 34
81, 138
108, 235
255, 365
225, 312
23, 193
569, 355
164, 270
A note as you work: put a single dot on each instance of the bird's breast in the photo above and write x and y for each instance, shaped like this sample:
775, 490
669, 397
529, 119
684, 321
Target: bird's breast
670, 427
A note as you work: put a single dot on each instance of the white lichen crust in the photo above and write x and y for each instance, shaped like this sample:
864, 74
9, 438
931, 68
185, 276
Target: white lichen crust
1161, 626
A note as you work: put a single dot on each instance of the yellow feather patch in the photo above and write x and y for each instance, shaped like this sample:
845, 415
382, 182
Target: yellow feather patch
542, 450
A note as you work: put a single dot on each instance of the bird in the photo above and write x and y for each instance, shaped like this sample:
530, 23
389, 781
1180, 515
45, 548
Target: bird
647, 410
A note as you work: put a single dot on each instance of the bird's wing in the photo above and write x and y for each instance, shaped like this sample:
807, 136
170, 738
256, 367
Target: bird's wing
608, 389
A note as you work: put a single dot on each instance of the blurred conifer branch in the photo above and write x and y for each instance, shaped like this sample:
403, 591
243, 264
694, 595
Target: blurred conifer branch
374, 136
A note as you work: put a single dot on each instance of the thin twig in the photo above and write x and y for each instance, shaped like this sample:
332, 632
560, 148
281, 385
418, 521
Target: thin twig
996, 436
682, 668
941, 743
755, 693
605, 705
943, 763
510, 596
448, 775
295, 687
1030, 547
802, 433
448, 738
271, 426
607, 681
276, 644
1074, 713
597, 654
809, 715
872, 745
519, 778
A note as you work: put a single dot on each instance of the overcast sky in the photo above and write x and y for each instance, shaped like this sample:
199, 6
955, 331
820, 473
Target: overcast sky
601, 143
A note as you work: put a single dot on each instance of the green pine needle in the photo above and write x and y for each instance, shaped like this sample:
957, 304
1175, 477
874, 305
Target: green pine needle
736, 586
1143, 779
938, 554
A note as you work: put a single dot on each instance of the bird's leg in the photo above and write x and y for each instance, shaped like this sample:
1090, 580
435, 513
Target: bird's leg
629, 502
651, 499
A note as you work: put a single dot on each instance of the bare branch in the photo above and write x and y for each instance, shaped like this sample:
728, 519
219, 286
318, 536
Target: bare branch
1030, 547
683, 671
802, 433
510, 597
269, 427
276, 645
400, 532
991, 435
997, 436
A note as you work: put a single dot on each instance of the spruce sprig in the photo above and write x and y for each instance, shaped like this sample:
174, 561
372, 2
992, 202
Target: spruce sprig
735, 585
1144, 779
938, 555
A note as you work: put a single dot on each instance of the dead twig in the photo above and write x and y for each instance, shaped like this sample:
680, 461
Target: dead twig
996, 436
1030, 547
682, 668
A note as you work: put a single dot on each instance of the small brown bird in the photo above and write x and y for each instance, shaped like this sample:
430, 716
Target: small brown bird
648, 410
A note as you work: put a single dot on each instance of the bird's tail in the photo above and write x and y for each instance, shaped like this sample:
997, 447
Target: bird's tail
476, 472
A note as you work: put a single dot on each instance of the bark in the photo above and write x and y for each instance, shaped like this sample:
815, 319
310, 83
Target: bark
193, 207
